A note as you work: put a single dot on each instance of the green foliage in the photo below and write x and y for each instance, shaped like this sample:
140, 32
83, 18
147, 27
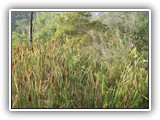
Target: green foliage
72, 24
44, 26
141, 34
78, 62
17, 15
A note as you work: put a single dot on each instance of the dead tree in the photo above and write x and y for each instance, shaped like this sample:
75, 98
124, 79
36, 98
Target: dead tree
30, 26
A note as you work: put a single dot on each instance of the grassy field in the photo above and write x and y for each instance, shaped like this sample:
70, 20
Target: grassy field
78, 75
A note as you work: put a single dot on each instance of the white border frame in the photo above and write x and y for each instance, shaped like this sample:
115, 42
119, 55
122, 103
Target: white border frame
73, 10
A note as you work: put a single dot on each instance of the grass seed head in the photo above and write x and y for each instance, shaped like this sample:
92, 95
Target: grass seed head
16, 97
29, 98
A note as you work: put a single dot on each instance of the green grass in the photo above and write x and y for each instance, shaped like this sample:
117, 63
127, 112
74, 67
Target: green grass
77, 75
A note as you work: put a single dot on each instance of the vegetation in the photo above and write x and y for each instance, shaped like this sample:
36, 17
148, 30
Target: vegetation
79, 60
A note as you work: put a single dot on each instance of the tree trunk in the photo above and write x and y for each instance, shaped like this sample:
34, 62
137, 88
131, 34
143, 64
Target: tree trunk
30, 26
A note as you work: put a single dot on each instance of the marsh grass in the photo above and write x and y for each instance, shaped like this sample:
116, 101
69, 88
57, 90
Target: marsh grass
62, 75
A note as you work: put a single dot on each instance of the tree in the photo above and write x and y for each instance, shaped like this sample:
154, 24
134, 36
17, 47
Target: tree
80, 25
17, 15
44, 26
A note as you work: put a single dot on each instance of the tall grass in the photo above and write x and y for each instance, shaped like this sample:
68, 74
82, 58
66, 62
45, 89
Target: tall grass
77, 75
